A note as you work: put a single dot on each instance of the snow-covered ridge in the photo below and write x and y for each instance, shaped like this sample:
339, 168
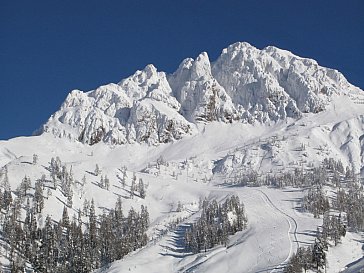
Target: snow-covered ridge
140, 108
244, 84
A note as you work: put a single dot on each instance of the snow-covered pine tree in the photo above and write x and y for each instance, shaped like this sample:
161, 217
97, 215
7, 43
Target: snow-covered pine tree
5, 182
101, 183
123, 180
106, 183
97, 171
141, 188
38, 199
93, 242
83, 180
133, 186
35, 159
25, 186
318, 255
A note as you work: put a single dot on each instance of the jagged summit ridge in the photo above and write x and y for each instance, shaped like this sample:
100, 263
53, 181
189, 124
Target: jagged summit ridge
272, 84
244, 84
202, 98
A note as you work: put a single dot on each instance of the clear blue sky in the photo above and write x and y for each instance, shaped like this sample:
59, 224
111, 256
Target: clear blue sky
48, 48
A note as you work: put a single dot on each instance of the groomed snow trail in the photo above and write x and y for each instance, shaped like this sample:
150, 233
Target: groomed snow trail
263, 247
291, 232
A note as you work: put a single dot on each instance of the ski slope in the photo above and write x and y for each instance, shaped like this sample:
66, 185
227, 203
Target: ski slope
275, 230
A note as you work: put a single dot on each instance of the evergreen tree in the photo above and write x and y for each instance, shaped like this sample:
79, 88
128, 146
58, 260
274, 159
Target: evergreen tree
123, 181
48, 239
133, 185
97, 171
1, 200
316, 202
119, 229
318, 255
35, 159
70, 198
7, 200
84, 180
107, 239
86, 207
38, 197
25, 186
92, 237
5, 183
102, 183
65, 222
106, 183
141, 188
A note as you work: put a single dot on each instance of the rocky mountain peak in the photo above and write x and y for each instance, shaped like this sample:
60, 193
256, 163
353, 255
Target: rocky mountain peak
244, 84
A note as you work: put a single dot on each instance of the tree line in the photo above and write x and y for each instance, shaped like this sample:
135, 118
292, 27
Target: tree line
69, 245
36, 242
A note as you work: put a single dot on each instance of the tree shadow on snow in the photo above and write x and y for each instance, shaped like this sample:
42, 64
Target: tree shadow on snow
26, 162
122, 196
311, 233
105, 209
47, 168
61, 201
176, 244
96, 184
91, 173
272, 268
298, 202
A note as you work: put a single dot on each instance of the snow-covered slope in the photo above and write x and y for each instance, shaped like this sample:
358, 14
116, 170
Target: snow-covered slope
244, 84
189, 134
193, 170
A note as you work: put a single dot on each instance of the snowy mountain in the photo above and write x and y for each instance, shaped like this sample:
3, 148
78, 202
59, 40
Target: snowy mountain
140, 108
245, 125
244, 84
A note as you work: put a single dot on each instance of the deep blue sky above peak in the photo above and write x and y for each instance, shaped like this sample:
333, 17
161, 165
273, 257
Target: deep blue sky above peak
48, 48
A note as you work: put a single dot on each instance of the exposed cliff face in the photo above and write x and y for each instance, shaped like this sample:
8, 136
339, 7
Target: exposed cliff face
244, 84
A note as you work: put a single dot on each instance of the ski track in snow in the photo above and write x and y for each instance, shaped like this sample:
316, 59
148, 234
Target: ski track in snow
292, 230
288, 218
266, 251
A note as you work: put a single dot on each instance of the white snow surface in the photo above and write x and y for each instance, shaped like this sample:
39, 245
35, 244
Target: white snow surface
271, 111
